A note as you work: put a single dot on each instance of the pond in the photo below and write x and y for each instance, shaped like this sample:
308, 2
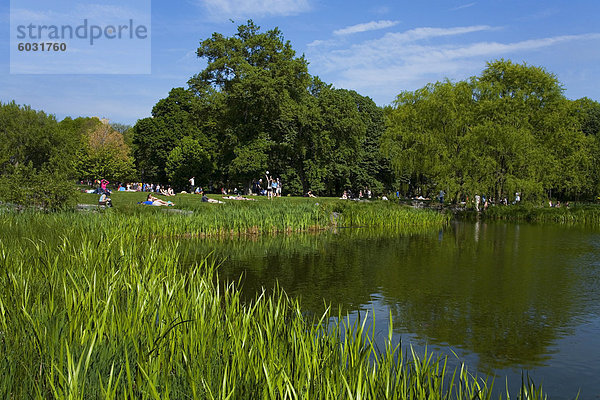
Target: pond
505, 298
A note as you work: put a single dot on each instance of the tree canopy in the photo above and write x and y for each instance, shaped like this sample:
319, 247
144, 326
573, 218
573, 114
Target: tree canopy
509, 130
255, 108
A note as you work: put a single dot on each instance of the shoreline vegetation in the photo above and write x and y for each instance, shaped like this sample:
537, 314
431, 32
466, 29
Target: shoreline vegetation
88, 310
584, 214
192, 218
100, 314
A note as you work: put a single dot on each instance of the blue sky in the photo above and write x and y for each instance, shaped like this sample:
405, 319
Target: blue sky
377, 48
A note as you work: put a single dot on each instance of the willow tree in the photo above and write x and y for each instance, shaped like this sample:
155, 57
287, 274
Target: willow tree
429, 136
509, 130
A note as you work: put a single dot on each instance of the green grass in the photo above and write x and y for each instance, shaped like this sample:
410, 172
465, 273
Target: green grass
88, 310
191, 217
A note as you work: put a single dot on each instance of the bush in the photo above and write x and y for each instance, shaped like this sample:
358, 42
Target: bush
48, 190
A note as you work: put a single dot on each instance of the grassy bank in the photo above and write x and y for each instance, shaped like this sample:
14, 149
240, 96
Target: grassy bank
586, 214
101, 314
192, 217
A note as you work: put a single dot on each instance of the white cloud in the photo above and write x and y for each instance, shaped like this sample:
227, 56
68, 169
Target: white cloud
367, 26
416, 34
254, 8
381, 68
464, 6
389, 49
315, 43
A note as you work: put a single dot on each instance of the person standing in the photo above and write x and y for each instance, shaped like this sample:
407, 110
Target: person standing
103, 184
269, 184
192, 183
441, 196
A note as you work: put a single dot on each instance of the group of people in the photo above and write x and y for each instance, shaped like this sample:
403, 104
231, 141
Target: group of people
101, 187
484, 202
270, 186
557, 204
273, 186
361, 194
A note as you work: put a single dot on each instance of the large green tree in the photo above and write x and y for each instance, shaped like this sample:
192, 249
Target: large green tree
261, 82
188, 159
30, 136
178, 116
509, 130
103, 152
256, 108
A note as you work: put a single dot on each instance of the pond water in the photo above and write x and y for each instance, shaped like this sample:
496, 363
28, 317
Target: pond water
505, 298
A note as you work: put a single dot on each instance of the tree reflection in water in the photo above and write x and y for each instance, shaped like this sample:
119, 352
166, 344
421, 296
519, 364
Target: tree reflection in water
504, 292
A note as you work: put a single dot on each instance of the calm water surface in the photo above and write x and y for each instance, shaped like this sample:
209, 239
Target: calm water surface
505, 298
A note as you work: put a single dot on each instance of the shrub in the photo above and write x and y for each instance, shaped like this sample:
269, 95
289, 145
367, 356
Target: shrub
47, 190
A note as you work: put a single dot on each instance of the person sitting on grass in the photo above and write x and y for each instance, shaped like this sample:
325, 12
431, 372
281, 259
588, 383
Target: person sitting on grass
104, 200
310, 194
167, 192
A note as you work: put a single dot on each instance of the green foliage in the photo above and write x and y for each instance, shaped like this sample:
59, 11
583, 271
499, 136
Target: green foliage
195, 218
102, 151
99, 312
255, 108
586, 214
29, 136
250, 160
37, 159
589, 115
180, 115
186, 160
509, 130
48, 190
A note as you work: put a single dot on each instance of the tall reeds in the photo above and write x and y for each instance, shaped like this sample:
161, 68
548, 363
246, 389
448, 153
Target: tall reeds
239, 218
100, 306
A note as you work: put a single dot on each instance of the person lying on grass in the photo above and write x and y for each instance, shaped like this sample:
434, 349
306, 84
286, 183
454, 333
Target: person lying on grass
153, 201
205, 199
238, 197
